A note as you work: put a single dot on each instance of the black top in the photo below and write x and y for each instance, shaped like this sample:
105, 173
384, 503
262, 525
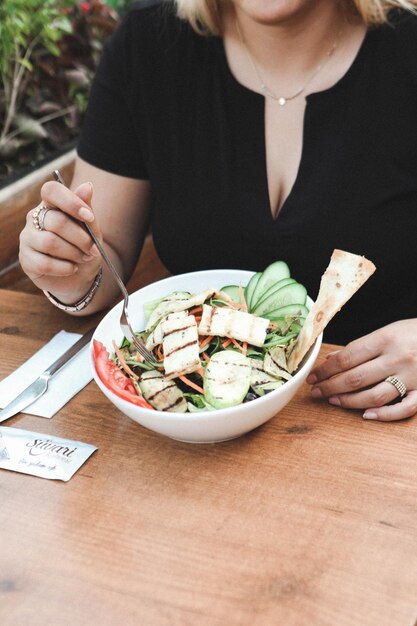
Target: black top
166, 107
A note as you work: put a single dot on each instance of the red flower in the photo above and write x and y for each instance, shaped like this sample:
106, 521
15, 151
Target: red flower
85, 7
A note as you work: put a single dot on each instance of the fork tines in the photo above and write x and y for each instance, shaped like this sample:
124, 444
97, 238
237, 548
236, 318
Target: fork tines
148, 356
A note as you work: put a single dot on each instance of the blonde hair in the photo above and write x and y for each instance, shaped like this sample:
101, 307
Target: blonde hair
204, 15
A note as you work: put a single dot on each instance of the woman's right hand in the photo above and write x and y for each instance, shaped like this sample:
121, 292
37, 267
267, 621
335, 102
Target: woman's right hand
62, 258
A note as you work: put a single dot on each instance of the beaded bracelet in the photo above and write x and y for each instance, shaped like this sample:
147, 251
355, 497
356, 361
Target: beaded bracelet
81, 304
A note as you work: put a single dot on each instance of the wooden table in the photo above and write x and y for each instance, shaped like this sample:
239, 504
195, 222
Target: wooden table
311, 519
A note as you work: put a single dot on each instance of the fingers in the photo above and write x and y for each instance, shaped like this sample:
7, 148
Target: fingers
63, 243
53, 245
354, 379
355, 353
380, 399
85, 192
329, 354
37, 265
394, 412
56, 195
372, 391
377, 396
68, 230
61, 255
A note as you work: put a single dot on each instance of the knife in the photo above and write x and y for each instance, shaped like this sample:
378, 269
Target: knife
36, 389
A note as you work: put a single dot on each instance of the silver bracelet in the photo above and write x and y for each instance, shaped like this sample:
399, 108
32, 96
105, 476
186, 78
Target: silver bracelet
81, 304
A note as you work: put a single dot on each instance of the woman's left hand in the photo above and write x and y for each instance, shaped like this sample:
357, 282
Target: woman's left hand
355, 376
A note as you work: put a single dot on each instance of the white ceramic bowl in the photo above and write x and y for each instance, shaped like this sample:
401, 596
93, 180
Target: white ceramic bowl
204, 427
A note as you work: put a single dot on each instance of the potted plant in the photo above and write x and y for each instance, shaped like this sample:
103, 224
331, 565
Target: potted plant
49, 50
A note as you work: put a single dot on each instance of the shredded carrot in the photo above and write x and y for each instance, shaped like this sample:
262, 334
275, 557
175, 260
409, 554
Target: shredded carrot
160, 352
244, 348
243, 299
139, 357
205, 356
206, 341
196, 309
190, 383
237, 344
226, 343
201, 372
123, 363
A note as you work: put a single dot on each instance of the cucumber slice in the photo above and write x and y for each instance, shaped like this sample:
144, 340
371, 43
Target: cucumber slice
233, 292
272, 274
227, 379
292, 310
150, 306
250, 288
290, 294
273, 288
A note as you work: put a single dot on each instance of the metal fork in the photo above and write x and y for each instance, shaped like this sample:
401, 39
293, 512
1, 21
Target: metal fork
125, 325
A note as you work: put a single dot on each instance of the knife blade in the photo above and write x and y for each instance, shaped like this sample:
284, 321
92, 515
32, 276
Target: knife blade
36, 389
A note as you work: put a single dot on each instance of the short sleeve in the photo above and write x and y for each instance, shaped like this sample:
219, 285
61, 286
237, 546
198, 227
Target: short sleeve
109, 137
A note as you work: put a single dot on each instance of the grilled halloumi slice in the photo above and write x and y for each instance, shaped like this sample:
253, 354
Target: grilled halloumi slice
239, 325
275, 363
156, 336
279, 356
180, 345
162, 394
171, 305
261, 381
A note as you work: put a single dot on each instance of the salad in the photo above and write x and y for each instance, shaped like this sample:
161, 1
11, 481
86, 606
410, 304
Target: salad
215, 349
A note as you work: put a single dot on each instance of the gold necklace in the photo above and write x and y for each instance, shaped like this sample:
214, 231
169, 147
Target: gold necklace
282, 100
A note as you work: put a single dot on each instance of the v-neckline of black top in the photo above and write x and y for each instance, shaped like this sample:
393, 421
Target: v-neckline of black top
312, 99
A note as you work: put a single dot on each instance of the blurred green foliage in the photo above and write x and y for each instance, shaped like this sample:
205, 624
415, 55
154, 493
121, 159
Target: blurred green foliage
27, 24
49, 50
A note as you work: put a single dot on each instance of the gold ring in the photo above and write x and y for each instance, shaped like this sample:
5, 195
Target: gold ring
38, 216
398, 384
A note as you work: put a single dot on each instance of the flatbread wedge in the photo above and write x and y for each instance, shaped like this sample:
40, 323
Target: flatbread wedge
345, 274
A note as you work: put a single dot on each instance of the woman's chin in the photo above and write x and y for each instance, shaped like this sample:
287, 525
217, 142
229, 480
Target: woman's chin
273, 12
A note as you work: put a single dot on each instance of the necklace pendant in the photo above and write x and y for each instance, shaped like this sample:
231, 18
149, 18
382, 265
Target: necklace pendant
282, 101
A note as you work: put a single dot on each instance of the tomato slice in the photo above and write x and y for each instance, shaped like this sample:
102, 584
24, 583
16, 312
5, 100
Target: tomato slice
114, 379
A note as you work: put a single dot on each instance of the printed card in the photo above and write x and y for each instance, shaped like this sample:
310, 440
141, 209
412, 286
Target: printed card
41, 455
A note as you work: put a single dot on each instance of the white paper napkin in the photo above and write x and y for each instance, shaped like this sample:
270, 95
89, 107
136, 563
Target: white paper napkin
75, 375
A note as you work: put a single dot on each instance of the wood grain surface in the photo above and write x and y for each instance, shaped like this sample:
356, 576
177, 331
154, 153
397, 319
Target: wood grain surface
309, 520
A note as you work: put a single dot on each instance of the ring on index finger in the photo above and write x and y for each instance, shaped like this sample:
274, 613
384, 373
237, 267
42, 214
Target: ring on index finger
398, 384
38, 216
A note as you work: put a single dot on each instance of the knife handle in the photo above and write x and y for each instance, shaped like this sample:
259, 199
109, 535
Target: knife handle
69, 354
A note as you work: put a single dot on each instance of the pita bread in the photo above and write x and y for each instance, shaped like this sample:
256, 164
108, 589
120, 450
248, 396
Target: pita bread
343, 277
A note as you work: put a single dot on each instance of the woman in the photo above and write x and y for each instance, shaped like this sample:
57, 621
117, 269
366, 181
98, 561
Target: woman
284, 130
